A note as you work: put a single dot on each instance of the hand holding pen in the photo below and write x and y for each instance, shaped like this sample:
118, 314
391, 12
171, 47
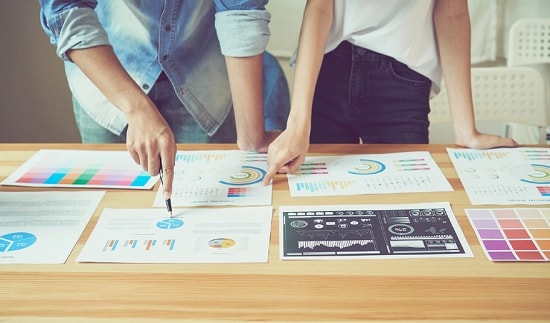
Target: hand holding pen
166, 195
151, 144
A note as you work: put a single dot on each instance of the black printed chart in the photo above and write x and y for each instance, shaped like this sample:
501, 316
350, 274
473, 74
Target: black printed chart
406, 172
218, 177
370, 231
504, 175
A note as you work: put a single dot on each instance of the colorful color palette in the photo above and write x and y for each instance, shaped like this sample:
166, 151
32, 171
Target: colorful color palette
513, 234
81, 168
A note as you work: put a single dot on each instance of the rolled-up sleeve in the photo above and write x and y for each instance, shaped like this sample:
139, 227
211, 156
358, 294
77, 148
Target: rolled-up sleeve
72, 26
242, 27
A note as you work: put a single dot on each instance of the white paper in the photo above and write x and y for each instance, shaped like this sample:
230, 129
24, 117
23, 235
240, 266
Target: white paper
218, 177
504, 175
43, 227
405, 172
81, 169
331, 232
197, 235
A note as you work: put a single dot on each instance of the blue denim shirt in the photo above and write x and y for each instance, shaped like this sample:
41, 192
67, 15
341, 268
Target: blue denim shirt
148, 37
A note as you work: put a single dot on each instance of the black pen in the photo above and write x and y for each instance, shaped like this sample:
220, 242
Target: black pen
168, 201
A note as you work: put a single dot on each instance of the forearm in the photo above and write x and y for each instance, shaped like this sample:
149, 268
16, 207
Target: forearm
245, 79
313, 36
452, 25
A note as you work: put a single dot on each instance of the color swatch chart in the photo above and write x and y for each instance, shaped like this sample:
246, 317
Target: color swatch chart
504, 175
81, 169
510, 234
405, 172
218, 177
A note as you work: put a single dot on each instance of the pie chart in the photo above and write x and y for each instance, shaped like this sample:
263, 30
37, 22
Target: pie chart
16, 241
168, 224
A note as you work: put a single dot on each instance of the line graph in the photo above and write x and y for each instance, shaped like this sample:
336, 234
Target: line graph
340, 244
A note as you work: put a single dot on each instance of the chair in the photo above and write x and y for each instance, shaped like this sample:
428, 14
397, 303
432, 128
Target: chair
529, 42
508, 101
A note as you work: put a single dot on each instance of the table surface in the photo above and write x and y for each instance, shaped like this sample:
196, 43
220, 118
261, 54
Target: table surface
420, 289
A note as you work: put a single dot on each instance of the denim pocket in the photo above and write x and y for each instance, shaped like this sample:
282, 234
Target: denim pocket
402, 72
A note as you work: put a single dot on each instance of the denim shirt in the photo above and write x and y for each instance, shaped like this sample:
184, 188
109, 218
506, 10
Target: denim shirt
175, 36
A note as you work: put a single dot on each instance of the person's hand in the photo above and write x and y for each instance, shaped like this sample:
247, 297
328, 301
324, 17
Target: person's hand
287, 152
485, 141
151, 144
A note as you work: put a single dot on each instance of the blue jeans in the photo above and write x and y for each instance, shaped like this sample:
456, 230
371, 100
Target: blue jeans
363, 94
276, 94
184, 127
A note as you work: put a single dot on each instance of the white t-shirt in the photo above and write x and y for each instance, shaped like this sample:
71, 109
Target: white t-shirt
402, 29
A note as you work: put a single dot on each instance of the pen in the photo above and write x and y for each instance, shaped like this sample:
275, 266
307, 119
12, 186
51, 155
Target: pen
168, 201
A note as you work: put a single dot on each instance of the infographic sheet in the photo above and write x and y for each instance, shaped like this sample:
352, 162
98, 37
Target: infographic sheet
405, 172
370, 231
504, 175
218, 177
43, 227
195, 235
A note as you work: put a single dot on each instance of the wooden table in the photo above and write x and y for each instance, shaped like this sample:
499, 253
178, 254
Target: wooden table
440, 289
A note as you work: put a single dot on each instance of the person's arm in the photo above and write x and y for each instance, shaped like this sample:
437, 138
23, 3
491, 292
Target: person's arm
246, 84
452, 26
243, 32
288, 151
148, 137
75, 30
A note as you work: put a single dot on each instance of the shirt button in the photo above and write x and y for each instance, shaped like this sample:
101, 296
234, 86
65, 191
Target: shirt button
167, 27
165, 57
145, 86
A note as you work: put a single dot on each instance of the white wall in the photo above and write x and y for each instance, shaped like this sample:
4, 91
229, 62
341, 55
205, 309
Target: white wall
286, 17
34, 99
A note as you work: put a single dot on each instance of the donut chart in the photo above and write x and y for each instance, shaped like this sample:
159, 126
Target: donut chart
247, 176
16, 241
539, 174
366, 167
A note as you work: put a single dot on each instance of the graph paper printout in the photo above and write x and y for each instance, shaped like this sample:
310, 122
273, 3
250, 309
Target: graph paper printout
406, 172
504, 175
217, 178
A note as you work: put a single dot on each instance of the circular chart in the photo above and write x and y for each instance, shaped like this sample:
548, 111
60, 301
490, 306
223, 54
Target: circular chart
168, 224
247, 176
401, 229
298, 224
16, 241
363, 167
221, 243
534, 173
